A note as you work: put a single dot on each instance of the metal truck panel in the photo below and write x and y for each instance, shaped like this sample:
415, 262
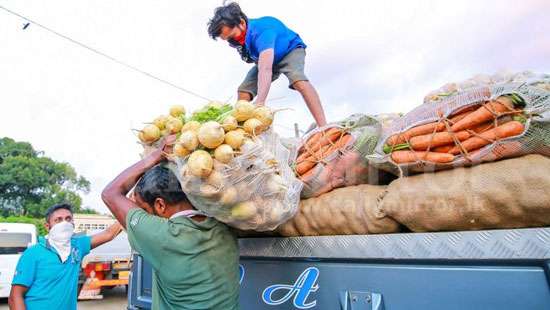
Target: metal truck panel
531, 243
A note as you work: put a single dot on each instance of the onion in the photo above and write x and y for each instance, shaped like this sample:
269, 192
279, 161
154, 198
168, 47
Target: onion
248, 144
180, 150
189, 140
243, 110
244, 210
149, 134
215, 104
174, 125
264, 115
276, 212
224, 153
219, 166
141, 137
211, 134
191, 125
160, 122
200, 163
275, 184
229, 123
177, 110
235, 138
208, 191
215, 179
253, 126
229, 196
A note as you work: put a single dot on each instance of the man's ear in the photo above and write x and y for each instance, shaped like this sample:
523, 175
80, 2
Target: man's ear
159, 206
47, 225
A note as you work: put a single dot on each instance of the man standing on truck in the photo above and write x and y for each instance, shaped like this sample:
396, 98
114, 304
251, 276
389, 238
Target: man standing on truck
46, 276
273, 47
194, 258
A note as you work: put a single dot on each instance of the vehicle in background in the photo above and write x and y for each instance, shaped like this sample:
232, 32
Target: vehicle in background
106, 267
14, 239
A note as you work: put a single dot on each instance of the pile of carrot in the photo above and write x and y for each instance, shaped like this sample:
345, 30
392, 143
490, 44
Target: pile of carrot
463, 132
318, 147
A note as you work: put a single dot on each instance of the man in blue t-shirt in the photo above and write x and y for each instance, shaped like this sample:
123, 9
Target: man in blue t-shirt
273, 47
46, 276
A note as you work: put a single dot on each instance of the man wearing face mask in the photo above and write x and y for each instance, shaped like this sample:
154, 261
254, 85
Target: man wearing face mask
273, 47
46, 276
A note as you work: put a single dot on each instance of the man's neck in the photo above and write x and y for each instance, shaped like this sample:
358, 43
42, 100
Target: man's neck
178, 208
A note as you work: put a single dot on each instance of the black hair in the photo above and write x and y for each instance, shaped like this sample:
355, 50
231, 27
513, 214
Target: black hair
227, 15
160, 182
54, 208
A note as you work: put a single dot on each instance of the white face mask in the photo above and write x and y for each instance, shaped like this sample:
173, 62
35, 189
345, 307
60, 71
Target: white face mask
60, 239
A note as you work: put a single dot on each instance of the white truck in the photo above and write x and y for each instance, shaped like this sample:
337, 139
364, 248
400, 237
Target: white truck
14, 239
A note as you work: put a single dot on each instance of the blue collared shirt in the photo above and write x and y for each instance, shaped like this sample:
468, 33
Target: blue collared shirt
51, 283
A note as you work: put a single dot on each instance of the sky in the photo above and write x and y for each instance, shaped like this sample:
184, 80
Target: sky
363, 57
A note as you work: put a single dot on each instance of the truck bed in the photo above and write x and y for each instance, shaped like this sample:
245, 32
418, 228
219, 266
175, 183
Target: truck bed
497, 269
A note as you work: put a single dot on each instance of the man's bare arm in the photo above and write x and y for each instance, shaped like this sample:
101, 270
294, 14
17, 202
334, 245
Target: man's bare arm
114, 195
107, 235
265, 72
16, 301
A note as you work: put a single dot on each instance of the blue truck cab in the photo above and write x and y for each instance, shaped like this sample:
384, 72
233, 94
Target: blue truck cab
492, 269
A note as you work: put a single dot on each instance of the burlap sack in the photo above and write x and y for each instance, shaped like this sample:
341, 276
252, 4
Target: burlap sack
344, 211
510, 193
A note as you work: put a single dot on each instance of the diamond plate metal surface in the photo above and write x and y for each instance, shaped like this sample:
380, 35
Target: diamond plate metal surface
531, 243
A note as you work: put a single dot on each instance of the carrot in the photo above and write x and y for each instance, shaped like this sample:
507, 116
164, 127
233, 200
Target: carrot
304, 166
401, 157
403, 137
309, 162
443, 149
484, 113
328, 149
421, 143
306, 175
442, 142
456, 116
341, 143
506, 130
315, 139
454, 119
328, 137
306, 154
424, 129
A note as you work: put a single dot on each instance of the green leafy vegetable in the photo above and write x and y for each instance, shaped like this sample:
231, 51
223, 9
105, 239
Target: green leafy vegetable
388, 148
210, 113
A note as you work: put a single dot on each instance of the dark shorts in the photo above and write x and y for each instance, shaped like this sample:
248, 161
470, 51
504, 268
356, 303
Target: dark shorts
292, 65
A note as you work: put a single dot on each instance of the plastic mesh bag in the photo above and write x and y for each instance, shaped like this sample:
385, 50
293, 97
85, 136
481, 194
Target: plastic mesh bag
480, 80
257, 190
341, 164
534, 139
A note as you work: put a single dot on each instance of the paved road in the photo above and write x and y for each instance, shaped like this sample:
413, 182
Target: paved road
114, 299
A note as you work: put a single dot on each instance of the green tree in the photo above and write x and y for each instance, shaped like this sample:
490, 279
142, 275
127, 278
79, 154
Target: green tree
31, 182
